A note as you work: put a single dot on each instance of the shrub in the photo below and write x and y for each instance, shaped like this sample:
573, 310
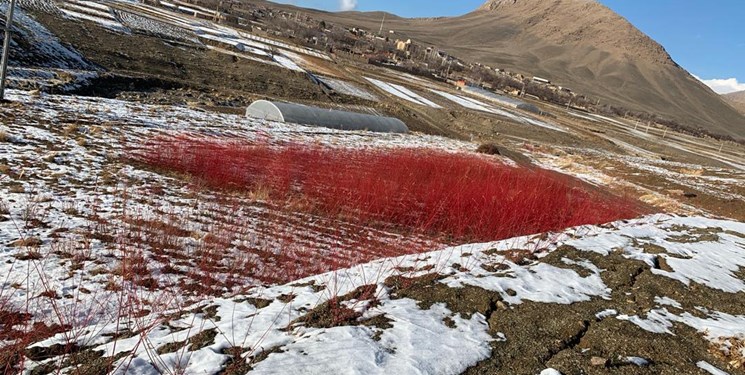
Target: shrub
460, 197
489, 149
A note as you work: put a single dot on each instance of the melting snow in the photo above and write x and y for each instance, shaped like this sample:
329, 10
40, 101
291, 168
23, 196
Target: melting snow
404, 349
712, 261
710, 369
403, 93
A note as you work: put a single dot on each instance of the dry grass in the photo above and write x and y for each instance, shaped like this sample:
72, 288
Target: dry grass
260, 193
731, 350
27, 242
692, 172
70, 129
4, 136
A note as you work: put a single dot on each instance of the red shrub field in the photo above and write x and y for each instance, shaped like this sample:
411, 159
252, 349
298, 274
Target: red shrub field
456, 197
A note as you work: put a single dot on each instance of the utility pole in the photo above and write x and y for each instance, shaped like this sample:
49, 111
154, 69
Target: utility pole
6, 48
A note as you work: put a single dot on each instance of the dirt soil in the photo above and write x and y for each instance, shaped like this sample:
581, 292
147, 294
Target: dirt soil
571, 338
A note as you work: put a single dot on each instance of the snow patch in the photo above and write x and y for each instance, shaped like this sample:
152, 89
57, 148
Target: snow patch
404, 349
706, 366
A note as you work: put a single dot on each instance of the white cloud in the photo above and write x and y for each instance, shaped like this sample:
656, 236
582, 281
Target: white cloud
345, 5
723, 86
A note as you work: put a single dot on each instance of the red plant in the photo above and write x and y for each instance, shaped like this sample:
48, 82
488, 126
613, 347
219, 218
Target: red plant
463, 197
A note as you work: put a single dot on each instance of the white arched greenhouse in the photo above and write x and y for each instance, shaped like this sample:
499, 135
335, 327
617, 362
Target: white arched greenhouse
327, 118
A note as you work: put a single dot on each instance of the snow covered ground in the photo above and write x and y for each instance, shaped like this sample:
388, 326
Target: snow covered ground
92, 11
111, 252
347, 88
43, 49
474, 104
402, 93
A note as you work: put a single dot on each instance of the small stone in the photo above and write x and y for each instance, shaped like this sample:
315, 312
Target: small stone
663, 265
501, 305
598, 361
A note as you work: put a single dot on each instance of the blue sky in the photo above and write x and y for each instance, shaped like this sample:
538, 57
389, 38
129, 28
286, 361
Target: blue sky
705, 37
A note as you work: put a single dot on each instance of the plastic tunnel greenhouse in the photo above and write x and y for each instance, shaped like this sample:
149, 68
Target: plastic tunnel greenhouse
327, 118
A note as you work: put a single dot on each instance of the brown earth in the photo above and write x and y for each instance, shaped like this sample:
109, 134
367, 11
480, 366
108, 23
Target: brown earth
190, 66
571, 338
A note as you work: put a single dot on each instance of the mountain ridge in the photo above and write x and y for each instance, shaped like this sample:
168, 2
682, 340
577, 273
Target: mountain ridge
596, 13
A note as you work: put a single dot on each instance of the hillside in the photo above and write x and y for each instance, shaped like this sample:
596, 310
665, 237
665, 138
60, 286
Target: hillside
737, 100
153, 272
148, 226
576, 43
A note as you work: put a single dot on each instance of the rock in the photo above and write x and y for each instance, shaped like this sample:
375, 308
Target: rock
489, 149
662, 264
598, 361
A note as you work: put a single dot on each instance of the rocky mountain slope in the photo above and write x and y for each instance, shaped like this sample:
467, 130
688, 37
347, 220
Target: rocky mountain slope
580, 44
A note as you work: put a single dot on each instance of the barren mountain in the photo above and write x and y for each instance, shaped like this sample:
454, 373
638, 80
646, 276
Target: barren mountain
737, 100
580, 44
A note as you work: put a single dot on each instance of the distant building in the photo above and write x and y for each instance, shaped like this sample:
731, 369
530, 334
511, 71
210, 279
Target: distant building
403, 45
541, 80
357, 31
